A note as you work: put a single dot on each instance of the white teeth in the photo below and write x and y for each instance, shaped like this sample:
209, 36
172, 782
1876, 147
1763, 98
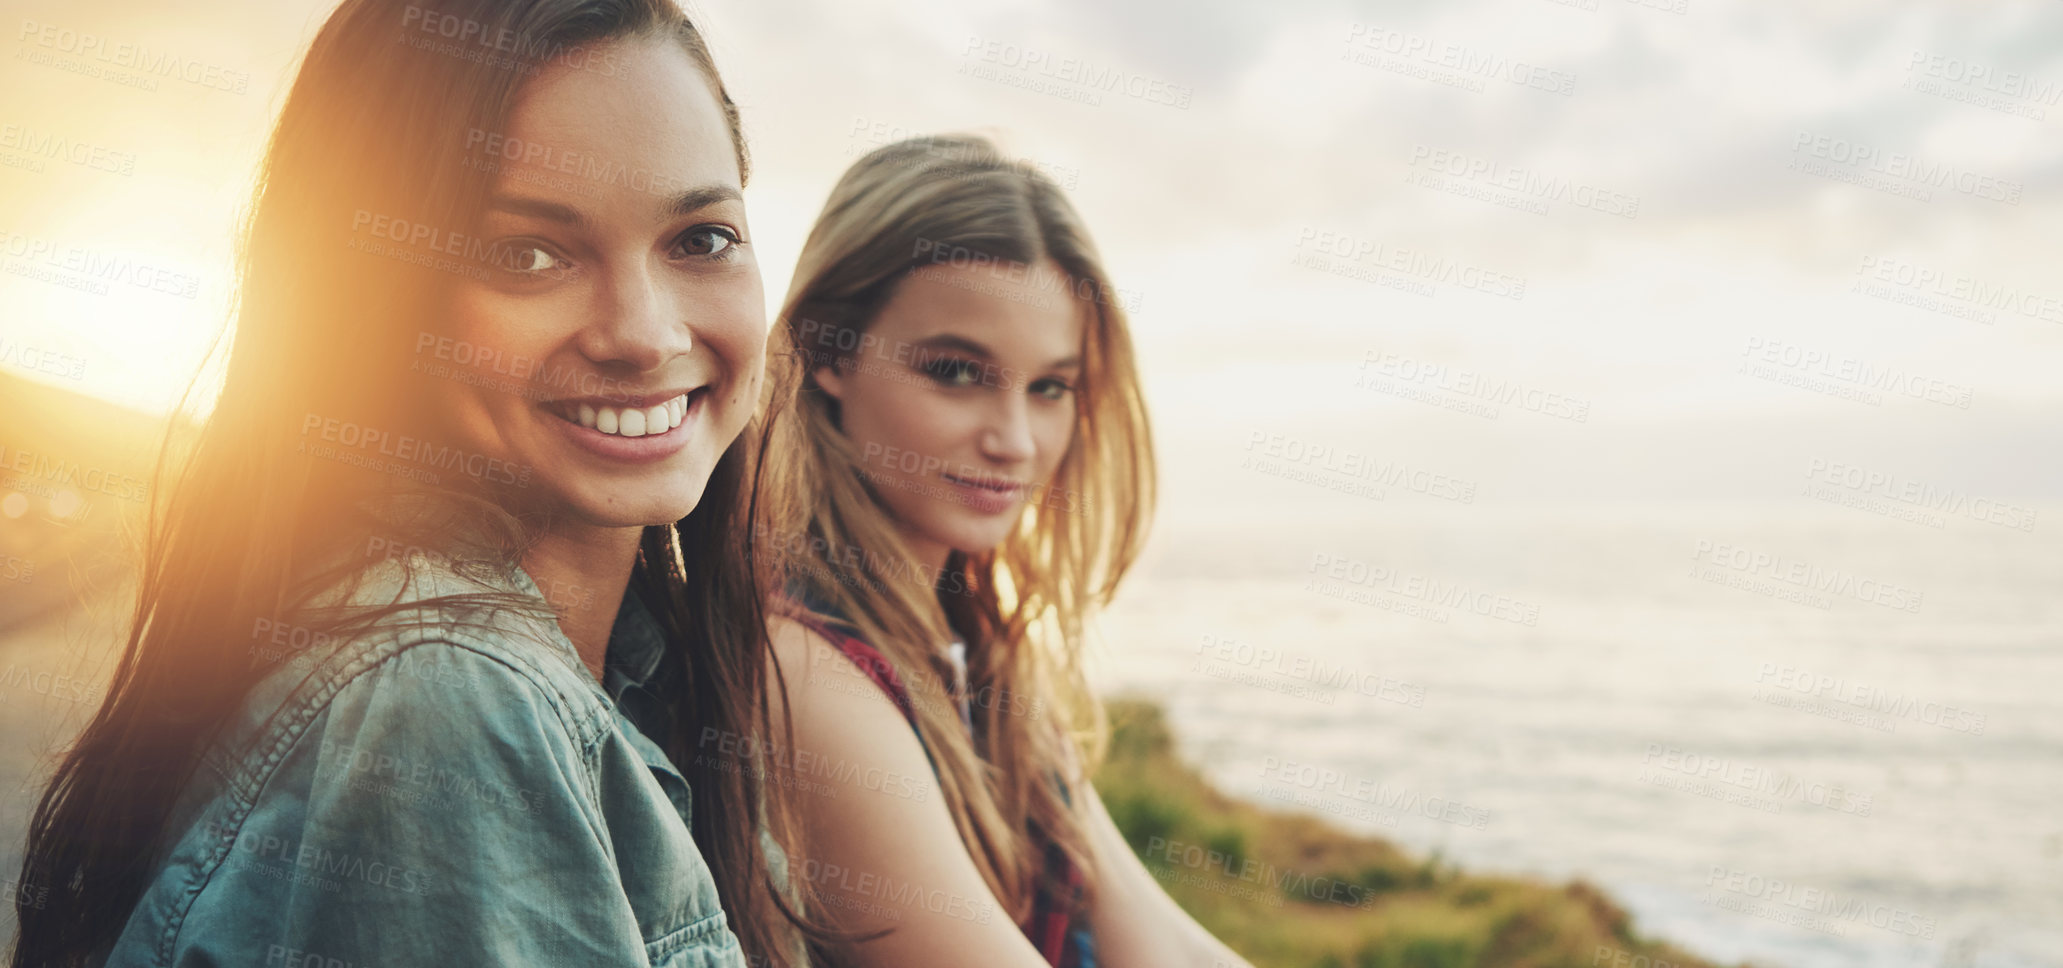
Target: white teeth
630, 422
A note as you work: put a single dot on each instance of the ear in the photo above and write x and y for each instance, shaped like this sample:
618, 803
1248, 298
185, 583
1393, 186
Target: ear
832, 380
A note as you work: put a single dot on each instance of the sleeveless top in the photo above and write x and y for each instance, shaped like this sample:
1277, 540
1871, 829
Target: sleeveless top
1064, 941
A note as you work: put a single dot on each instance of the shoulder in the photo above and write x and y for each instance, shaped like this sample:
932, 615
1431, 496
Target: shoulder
418, 704
450, 690
793, 638
443, 682
437, 798
833, 679
452, 630
800, 638
829, 657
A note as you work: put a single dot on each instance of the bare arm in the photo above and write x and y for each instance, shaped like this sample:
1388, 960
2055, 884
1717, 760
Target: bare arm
1137, 924
882, 847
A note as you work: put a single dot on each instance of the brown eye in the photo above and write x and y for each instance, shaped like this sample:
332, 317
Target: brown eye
713, 241
531, 259
528, 259
1051, 388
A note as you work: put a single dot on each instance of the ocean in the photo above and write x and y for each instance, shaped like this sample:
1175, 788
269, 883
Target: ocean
1797, 733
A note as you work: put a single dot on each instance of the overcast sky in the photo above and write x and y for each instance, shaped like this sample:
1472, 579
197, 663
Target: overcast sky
1612, 206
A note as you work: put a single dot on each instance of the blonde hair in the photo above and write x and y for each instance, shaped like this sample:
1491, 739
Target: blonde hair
1021, 606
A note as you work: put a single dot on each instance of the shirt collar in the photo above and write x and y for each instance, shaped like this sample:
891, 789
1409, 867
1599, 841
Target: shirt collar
635, 647
636, 643
630, 666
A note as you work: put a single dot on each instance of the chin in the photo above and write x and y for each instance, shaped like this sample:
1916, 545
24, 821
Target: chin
618, 509
973, 538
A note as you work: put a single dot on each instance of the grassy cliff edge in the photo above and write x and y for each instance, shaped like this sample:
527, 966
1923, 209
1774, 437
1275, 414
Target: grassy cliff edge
1291, 891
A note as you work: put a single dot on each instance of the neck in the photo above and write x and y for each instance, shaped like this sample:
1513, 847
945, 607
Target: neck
584, 573
934, 556
931, 554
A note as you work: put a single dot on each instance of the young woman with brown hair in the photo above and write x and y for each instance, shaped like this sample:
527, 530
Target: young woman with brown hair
452, 586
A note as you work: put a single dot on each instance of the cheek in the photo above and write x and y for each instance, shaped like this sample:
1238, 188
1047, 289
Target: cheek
877, 410
488, 329
928, 423
732, 327
1054, 433
732, 322
482, 312
484, 336
468, 328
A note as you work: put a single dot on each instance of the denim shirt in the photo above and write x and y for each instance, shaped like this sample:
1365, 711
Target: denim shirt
443, 796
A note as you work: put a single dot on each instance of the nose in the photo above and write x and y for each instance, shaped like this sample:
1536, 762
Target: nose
1007, 438
637, 323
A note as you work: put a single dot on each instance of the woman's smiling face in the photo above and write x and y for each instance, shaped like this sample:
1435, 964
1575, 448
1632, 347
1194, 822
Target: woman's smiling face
963, 404
620, 277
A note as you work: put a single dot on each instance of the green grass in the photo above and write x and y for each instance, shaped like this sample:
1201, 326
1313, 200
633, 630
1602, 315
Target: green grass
1292, 891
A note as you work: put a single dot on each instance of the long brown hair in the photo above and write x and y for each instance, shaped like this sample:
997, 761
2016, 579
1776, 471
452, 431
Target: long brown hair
1020, 606
253, 523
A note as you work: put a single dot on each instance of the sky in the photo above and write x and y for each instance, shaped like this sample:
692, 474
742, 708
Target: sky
1601, 250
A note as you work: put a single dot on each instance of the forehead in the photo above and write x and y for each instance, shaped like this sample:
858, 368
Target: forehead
631, 113
1030, 313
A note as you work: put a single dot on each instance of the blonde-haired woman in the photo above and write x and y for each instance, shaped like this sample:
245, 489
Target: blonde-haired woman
965, 475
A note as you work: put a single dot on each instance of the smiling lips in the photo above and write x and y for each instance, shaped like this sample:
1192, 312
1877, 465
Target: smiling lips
993, 485
987, 495
626, 421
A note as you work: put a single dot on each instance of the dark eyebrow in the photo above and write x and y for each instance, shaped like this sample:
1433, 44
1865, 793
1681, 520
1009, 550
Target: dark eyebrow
696, 199
537, 208
684, 203
972, 348
947, 341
